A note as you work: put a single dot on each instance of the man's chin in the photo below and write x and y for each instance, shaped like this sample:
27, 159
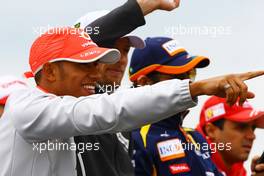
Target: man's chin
114, 81
244, 156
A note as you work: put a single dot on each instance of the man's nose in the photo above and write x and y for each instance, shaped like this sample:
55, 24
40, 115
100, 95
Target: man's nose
123, 59
250, 134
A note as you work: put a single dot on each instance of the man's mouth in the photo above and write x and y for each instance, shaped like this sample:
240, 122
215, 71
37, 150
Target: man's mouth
247, 147
89, 88
118, 71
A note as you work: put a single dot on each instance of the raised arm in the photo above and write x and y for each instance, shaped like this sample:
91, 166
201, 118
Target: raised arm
126, 18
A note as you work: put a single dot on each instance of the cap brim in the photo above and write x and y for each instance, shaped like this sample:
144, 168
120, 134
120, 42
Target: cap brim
176, 67
136, 41
248, 116
103, 55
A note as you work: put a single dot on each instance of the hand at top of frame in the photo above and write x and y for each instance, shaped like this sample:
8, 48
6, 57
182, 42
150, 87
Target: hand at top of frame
148, 6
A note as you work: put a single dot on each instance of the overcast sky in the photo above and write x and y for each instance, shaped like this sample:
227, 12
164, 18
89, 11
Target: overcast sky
229, 32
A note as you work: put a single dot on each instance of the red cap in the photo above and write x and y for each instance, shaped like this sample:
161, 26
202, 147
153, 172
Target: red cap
215, 108
67, 44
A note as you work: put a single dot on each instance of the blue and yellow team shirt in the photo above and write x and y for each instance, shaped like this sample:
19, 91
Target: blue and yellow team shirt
166, 149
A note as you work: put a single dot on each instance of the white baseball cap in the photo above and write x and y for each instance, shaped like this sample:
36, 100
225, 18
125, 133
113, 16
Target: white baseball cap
90, 17
8, 85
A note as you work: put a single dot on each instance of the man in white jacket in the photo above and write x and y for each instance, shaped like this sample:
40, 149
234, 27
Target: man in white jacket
37, 135
38, 125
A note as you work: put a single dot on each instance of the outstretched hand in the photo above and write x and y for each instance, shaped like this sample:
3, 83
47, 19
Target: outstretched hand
230, 87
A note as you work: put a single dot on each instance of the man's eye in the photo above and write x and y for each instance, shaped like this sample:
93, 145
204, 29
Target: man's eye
84, 65
242, 126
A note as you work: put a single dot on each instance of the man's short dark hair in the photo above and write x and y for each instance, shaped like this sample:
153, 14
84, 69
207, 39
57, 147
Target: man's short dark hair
37, 77
218, 123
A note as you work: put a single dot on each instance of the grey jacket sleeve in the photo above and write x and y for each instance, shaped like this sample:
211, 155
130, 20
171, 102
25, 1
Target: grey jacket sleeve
38, 116
117, 23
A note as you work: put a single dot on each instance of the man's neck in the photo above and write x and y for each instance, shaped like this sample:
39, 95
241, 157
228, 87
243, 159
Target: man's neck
228, 162
46, 88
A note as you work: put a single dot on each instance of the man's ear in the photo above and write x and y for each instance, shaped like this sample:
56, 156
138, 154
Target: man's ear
211, 131
49, 72
143, 80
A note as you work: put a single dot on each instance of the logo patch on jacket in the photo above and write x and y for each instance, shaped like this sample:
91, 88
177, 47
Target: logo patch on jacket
179, 168
170, 149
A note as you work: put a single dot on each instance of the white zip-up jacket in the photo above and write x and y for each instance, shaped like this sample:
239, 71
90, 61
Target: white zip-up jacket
34, 123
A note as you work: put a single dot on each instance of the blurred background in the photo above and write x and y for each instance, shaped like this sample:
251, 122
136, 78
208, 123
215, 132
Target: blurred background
230, 33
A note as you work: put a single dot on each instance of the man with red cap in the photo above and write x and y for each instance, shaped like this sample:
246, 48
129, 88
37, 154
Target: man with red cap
38, 133
230, 129
9, 84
